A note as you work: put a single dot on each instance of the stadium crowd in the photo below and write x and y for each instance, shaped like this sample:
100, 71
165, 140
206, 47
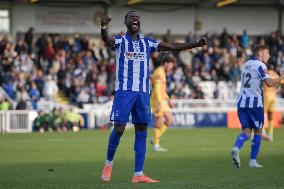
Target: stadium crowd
35, 68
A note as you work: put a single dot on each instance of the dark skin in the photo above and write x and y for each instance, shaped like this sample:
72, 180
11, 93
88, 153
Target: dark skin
132, 23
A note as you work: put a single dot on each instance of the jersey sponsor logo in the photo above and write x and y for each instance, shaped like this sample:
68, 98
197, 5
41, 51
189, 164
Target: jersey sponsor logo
247, 67
135, 55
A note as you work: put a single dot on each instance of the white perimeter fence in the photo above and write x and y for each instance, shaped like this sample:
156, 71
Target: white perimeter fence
97, 115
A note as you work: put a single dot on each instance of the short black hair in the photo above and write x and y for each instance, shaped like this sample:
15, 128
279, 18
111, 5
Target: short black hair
258, 48
128, 14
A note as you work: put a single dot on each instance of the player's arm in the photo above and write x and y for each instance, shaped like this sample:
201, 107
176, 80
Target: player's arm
282, 81
157, 90
181, 46
104, 22
273, 82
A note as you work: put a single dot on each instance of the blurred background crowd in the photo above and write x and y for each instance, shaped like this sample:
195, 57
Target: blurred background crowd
81, 70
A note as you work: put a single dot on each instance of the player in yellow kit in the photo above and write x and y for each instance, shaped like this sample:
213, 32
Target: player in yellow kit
269, 94
160, 101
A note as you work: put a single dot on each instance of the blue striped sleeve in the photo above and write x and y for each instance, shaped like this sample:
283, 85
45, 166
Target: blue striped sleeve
262, 73
153, 44
117, 42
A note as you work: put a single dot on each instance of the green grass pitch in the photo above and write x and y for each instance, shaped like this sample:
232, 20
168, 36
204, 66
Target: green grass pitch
197, 158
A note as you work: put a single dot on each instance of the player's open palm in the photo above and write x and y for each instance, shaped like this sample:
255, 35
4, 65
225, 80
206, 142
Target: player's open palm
105, 20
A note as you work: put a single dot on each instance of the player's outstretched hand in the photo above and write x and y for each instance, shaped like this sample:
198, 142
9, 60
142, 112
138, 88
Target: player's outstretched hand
202, 42
105, 20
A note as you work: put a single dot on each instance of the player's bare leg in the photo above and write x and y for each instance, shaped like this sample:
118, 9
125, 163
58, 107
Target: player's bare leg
161, 125
270, 126
159, 121
264, 133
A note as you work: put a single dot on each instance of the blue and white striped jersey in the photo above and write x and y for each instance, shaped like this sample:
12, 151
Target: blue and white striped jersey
251, 93
132, 62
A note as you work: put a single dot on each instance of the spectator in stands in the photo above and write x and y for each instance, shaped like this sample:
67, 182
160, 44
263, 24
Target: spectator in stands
25, 63
168, 38
76, 65
77, 46
49, 54
83, 97
3, 43
21, 47
224, 39
4, 104
34, 95
280, 61
29, 39
40, 45
8, 86
186, 58
235, 71
88, 59
245, 40
190, 38
22, 104
93, 93
50, 88
178, 92
111, 75
39, 80
273, 45
102, 81
21, 97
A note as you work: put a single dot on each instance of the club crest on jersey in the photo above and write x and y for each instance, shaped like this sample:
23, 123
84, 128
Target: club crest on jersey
135, 55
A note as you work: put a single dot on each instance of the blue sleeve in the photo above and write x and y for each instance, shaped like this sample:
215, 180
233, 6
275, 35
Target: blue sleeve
262, 73
153, 44
117, 41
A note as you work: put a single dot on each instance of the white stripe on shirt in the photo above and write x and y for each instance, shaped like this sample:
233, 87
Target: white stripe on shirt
125, 67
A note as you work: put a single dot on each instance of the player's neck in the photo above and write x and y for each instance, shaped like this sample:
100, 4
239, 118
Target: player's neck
133, 35
256, 58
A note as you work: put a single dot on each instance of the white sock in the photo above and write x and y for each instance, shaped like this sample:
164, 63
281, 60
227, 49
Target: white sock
236, 148
107, 162
139, 173
253, 160
156, 146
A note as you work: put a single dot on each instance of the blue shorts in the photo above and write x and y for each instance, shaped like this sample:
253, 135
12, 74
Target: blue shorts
251, 117
136, 103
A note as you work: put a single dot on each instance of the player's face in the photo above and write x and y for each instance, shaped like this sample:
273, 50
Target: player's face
169, 66
132, 22
264, 55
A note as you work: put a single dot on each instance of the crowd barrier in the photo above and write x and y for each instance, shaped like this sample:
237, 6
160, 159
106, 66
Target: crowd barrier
187, 114
17, 121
